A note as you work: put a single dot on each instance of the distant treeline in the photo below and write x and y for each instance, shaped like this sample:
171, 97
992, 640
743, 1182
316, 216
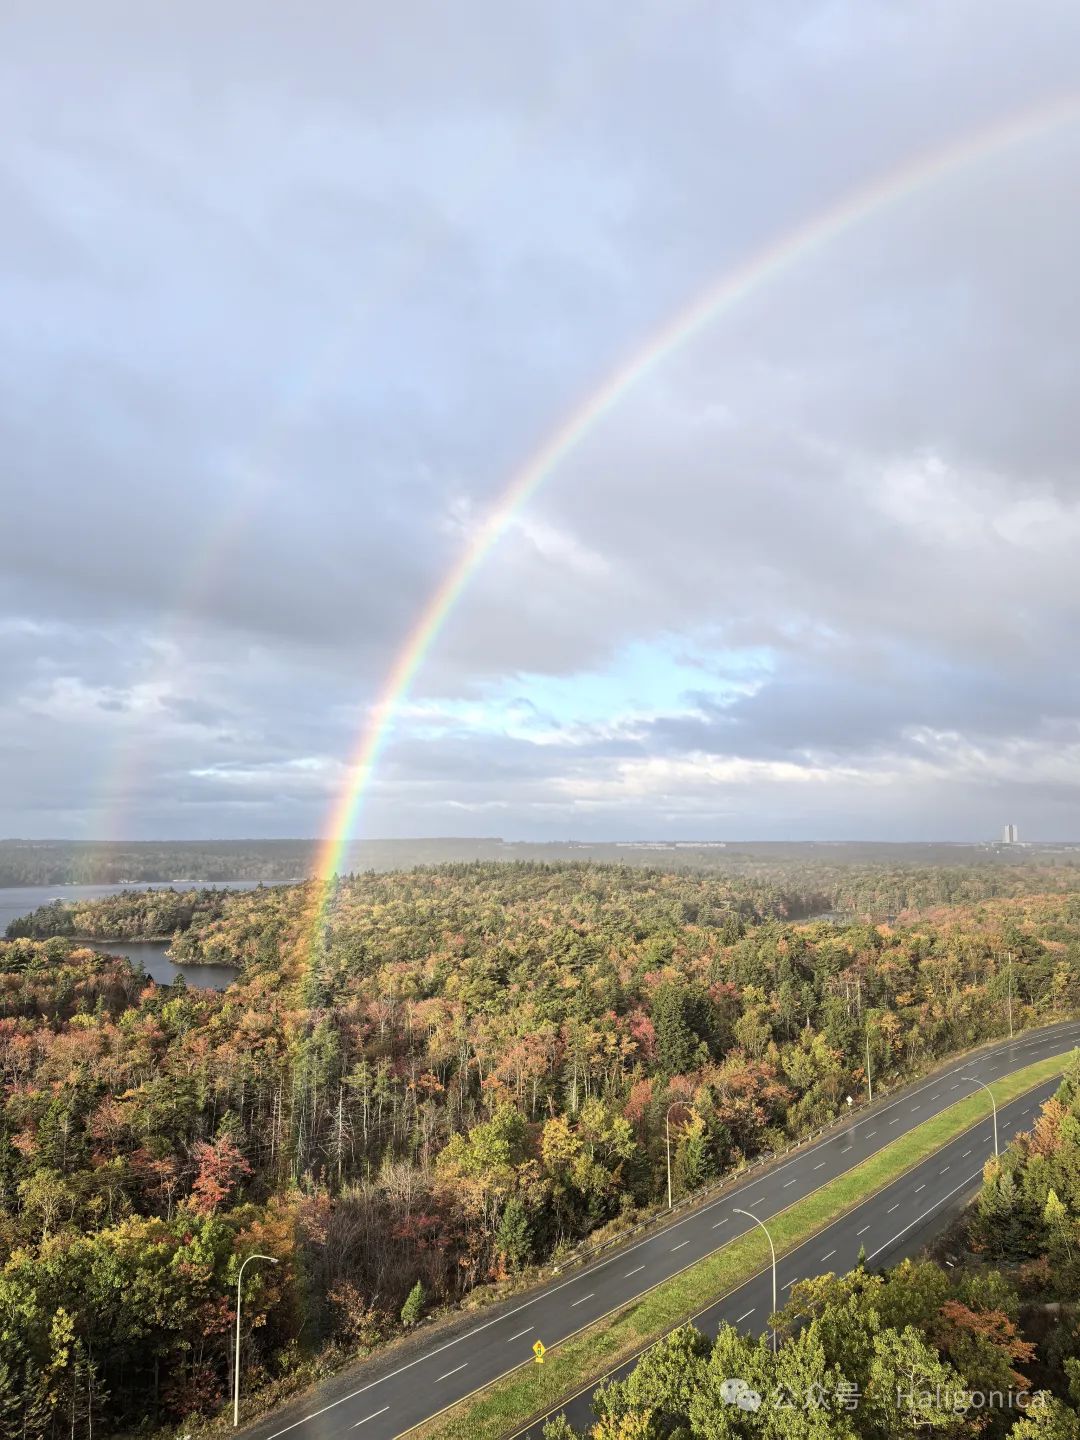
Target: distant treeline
963, 871
70, 862
791, 890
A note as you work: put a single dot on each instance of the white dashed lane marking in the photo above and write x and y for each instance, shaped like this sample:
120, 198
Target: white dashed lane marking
590, 1296
306, 1419
371, 1416
529, 1328
451, 1372
744, 1317
918, 1218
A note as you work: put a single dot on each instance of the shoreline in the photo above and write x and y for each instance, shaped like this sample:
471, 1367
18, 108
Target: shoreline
145, 940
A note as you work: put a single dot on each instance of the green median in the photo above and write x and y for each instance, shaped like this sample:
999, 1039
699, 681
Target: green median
506, 1405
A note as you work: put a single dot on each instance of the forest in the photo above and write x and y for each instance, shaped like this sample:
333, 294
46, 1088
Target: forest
426, 1082
988, 1346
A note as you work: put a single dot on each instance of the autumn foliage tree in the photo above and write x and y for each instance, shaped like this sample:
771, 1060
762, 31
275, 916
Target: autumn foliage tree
454, 1073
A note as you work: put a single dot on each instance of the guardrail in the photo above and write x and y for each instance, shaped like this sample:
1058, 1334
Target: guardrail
582, 1254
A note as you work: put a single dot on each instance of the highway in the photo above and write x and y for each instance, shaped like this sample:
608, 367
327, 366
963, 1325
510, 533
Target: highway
893, 1223
382, 1406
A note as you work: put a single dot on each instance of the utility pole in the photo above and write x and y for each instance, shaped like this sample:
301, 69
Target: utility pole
236, 1356
772, 1252
1010, 997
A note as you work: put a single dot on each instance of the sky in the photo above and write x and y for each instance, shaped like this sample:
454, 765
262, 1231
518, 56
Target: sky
290, 294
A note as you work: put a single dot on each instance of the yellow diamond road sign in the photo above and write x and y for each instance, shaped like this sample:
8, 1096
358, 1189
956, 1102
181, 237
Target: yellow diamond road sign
538, 1351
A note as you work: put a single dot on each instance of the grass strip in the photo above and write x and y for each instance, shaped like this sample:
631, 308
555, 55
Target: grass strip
507, 1404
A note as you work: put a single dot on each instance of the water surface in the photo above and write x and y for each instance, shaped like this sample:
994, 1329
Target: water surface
18, 900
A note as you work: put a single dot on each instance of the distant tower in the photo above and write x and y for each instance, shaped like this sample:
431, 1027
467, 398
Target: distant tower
1010, 835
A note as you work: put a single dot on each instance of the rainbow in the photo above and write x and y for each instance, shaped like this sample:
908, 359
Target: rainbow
118, 781
732, 287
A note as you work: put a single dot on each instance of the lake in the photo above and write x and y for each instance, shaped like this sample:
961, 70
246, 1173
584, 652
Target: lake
17, 900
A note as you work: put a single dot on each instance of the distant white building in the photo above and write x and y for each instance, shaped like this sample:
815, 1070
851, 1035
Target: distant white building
1010, 835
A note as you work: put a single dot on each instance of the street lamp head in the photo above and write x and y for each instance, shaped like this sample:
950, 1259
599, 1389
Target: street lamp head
270, 1260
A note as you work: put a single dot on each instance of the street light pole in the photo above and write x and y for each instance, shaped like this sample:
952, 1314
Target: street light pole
772, 1252
869, 1082
236, 1356
667, 1143
993, 1102
1010, 997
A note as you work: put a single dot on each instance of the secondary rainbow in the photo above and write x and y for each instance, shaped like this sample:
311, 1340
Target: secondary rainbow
260, 477
731, 287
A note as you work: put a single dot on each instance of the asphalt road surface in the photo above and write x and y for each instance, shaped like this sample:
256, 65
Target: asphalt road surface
887, 1225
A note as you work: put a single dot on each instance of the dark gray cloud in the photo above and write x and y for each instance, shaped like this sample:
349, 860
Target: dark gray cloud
288, 296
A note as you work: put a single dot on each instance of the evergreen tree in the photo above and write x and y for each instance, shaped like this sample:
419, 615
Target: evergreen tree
413, 1309
514, 1236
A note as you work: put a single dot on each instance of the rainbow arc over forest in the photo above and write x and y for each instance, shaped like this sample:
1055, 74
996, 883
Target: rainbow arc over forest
734, 285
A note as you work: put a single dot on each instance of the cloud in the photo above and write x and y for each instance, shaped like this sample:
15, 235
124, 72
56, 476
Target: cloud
282, 315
